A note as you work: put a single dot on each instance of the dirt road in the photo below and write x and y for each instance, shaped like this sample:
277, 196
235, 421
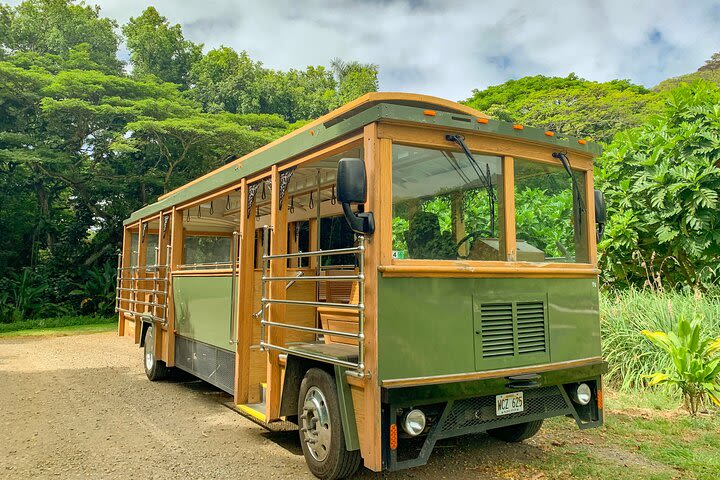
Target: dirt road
81, 407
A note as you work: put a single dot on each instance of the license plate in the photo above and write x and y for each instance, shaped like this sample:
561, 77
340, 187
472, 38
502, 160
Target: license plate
508, 403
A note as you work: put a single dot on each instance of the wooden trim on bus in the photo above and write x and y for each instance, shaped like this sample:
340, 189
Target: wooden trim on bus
590, 202
245, 298
367, 98
406, 268
126, 254
176, 253
278, 268
509, 208
367, 399
466, 377
334, 148
205, 272
432, 136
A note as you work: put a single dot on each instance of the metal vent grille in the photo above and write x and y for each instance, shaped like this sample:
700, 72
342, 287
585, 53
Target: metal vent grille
212, 364
497, 329
530, 327
512, 328
473, 413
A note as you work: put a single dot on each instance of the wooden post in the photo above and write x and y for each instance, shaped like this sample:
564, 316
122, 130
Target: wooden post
508, 204
245, 298
378, 162
123, 294
590, 202
176, 254
141, 274
278, 268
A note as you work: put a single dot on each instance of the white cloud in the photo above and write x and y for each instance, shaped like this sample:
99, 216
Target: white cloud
447, 48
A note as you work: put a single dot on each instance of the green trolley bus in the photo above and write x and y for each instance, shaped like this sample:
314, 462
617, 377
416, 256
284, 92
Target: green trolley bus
400, 271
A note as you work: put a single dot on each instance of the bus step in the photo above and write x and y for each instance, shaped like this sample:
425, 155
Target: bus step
257, 410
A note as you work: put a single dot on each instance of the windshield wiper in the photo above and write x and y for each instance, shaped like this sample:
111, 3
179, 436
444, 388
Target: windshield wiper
579, 199
484, 177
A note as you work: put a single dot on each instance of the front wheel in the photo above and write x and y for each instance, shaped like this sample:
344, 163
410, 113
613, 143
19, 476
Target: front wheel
517, 433
321, 431
154, 369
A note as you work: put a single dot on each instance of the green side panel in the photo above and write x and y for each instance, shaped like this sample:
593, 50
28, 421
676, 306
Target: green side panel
433, 326
202, 309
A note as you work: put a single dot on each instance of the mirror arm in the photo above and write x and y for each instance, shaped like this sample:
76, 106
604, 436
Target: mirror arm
362, 223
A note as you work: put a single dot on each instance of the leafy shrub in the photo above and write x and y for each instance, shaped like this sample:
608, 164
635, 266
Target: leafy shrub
662, 185
624, 314
97, 290
696, 364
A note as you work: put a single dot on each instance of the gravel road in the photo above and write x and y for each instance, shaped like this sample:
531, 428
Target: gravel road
81, 407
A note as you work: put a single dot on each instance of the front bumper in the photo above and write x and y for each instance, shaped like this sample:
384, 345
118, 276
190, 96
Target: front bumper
469, 407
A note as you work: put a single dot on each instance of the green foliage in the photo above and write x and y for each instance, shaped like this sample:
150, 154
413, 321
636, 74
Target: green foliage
224, 80
96, 291
625, 313
59, 27
569, 105
160, 49
55, 323
82, 144
710, 72
695, 359
425, 239
542, 220
662, 183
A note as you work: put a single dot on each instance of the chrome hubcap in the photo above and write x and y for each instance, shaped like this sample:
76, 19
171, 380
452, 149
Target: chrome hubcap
316, 428
149, 349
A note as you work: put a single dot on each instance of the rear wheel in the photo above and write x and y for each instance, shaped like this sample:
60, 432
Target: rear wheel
517, 433
321, 431
154, 369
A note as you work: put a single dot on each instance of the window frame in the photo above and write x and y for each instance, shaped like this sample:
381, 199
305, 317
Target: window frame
508, 149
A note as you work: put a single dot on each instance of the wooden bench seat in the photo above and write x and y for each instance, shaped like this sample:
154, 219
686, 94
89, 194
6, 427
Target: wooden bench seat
341, 319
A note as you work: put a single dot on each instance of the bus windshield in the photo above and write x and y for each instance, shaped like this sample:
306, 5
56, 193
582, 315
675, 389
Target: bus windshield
446, 207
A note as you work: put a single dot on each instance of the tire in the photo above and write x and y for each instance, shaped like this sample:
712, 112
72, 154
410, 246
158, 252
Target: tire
154, 369
516, 433
321, 432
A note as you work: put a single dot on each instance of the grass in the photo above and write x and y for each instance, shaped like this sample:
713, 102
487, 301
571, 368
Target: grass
59, 326
624, 314
645, 436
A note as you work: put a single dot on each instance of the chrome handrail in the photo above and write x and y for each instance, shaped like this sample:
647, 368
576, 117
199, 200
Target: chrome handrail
357, 369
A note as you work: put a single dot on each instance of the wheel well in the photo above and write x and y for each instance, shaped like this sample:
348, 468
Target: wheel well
145, 325
295, 370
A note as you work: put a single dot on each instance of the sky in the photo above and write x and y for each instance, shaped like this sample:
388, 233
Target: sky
448, 48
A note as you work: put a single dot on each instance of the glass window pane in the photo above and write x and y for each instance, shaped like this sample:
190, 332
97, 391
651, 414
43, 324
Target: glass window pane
550, 214
151, 242
206, 249
446, 206
134, 249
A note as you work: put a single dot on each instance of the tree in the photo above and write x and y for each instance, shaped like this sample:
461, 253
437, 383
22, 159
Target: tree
662, 184
569, 105
160, 49
710, 72
354, 79
224, 80
56, 27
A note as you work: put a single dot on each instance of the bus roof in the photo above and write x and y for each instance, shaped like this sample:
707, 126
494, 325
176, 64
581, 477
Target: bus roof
371, 107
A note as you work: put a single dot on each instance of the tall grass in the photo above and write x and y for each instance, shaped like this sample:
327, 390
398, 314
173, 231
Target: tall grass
624, 314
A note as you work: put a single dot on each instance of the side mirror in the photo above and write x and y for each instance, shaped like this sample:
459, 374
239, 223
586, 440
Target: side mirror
600, 214
352, 188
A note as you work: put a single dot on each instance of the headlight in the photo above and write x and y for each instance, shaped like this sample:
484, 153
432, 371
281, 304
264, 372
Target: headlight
582, 394
414, 422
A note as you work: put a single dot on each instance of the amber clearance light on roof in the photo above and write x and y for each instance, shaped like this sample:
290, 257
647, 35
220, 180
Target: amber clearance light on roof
518, 127
483, 120
582, 142
429, 113
550, 134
